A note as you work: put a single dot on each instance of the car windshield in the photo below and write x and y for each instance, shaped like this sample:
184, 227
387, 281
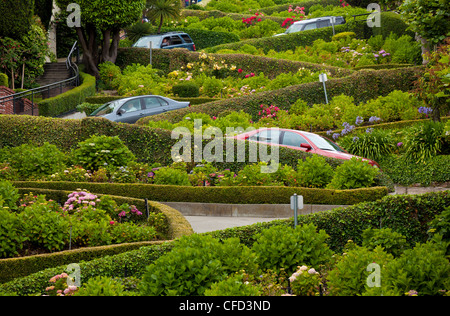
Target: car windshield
294, 28
105, 109
144, 42
324, 143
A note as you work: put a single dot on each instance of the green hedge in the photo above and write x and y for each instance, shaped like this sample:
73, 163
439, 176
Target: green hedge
69, 100
408, 215
4, 80
362, 85
228, 195
390, 22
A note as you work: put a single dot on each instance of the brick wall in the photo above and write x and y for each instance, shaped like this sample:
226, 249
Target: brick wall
23, 106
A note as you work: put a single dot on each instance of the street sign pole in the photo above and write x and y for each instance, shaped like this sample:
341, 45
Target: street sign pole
296, 204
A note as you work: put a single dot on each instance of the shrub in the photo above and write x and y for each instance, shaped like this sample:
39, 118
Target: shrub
172, 176
391, 241
193, 265
282, 248
305, 281
35, 162
9, 195
186, 90
101, 286
373, 144
313, 172
350, 275
424, 141
11, 236
352, 174
441, 224
99, 151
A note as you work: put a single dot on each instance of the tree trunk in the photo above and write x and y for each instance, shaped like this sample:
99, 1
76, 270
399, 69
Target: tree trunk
111, 40
88, 41
425, 46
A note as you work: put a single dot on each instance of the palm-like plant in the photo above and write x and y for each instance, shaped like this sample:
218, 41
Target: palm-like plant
160, 10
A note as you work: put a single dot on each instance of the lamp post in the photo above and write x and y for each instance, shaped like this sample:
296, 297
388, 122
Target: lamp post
323, 78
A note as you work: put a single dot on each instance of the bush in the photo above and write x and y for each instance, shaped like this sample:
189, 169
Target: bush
305, 281
234, 286
9, 195
108, 72
100, 151
171, 176
352, 174
35, 162
424, 141
11, 236
282, 248
391, 242
193, 265
101, 286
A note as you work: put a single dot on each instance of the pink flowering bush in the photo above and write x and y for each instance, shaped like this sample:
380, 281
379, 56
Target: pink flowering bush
59, 286
305, 281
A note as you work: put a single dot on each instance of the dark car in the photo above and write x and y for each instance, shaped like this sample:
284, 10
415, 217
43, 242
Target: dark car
167, 41
312, 24
129, 110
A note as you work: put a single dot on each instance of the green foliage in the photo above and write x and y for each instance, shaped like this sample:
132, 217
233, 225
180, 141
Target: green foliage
282, 248
172, 176
9, 195
373, 144
108, 72
391, 241
193, 265
33, 162
16, 17
186, 90
314, 172
101, 286
11, 236
352, 174
98, 151
305, 282
351, 273
424, 141
441, 224
234, 286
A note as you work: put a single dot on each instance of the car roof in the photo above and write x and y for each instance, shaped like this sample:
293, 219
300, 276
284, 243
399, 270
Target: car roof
164, 34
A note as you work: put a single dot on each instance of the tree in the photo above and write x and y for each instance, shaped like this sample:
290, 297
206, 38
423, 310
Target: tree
160, 10
17, 18
101, 22
429, 19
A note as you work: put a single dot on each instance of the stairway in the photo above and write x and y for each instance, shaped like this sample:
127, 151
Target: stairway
54, 72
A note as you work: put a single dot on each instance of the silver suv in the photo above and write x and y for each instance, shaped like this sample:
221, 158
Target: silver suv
167, 41
311, 24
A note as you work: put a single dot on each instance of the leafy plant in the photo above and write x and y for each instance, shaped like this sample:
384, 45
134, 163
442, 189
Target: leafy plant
352, 174
391, 241
11, 236
100, 151
235, 285
314, 172
9, 195
305, 281
424, 141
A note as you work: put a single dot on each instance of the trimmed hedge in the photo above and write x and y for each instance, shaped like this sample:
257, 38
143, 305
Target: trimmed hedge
362, 85
390, 22
408, 215
19, 267
4, 80
146, 144
173, 59
69, 100
228, 195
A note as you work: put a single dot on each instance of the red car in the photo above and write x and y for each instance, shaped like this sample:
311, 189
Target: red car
300, 140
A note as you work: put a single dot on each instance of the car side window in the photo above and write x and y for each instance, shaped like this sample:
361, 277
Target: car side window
165, 42
293, 139
162, 102
131, 106
151, 103
267, 136
309, 26
186, 38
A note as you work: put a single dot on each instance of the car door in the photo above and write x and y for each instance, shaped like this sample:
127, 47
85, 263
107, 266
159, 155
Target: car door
294, 139
153, 105
130, 111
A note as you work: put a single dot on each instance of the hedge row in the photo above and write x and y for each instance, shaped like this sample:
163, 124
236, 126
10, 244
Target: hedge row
69, 100
20, 267
173, 59
406, 214
390, 22
228, 195
362, 85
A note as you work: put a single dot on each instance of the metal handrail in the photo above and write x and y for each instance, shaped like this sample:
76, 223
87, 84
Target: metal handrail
32, 92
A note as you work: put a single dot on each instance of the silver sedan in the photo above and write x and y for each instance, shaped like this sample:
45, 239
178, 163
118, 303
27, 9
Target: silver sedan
129, 110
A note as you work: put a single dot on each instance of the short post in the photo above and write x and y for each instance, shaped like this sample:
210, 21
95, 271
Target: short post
146, 208
296, 204
150, 46
323, 78
333, 21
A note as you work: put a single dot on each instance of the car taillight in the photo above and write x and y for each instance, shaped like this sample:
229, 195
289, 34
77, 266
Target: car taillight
189, 105
193, 46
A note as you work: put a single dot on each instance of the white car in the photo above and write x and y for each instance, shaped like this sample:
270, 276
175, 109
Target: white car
312, 24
